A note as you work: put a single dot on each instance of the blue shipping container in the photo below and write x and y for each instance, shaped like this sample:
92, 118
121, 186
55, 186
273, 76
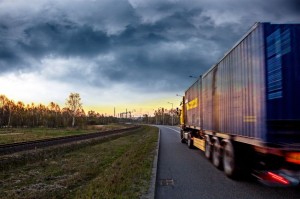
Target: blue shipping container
254, 90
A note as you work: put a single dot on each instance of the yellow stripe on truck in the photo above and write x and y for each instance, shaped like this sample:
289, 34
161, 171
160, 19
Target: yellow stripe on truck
200, 144
249, 118
192, 104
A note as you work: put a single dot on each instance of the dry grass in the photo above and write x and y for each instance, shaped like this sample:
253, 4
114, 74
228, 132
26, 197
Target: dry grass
118, 168
12, 135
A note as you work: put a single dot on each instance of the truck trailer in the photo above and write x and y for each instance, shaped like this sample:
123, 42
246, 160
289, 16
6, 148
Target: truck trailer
244, 112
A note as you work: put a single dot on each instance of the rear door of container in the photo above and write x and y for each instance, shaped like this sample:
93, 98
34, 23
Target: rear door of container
283, 82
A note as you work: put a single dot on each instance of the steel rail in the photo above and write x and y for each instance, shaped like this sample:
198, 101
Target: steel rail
37, 144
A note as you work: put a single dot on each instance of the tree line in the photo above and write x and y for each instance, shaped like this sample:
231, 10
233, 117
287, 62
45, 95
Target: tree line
162, 116
18, 114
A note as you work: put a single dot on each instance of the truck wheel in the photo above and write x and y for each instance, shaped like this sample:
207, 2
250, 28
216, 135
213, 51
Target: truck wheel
190, 142
216, 154
207, 147
229, 160
181, 137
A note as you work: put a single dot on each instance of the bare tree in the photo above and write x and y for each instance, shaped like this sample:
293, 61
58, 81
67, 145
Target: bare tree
74, 105
11, 106
20, 113
3, 102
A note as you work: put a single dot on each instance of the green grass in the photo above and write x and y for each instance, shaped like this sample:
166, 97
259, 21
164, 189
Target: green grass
117, 168
13, 135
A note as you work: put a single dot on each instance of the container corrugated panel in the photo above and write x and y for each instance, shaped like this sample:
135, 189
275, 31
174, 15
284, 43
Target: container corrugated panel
254, 91
234, 89
283, 82
207, 102
193, 105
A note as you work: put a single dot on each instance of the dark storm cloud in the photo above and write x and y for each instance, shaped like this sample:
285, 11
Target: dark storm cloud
64, 40
150, 45
55, 39
281, 8
8, 58
150, 54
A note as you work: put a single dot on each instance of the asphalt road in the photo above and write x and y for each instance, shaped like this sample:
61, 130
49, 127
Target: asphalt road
185, 173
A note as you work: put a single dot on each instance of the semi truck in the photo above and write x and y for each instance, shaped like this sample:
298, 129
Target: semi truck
244, 112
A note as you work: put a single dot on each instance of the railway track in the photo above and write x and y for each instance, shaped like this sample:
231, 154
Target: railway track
37, 144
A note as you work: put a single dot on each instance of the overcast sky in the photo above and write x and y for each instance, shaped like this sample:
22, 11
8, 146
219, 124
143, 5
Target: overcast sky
134, 54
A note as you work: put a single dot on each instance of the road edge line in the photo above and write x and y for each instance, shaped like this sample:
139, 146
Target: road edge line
151, 190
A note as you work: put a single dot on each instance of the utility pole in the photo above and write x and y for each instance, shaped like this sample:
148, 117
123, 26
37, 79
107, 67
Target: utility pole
163, 116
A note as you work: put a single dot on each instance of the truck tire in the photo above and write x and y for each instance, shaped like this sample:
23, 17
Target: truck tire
216, 154
229, 161
207, 147
190, 142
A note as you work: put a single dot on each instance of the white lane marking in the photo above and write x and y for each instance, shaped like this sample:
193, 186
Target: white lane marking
172, 129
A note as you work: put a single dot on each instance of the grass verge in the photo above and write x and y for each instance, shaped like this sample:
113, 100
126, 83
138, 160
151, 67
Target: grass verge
117, 168
12, 135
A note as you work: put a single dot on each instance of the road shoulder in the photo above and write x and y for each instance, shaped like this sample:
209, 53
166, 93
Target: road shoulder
151, 191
